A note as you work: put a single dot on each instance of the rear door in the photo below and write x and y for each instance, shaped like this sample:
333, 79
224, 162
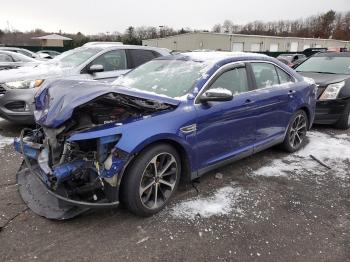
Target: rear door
274, 91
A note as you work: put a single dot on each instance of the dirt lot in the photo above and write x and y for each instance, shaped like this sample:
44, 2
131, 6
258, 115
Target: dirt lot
268, 207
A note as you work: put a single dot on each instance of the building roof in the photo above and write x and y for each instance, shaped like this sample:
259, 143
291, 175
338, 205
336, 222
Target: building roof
245, 35
53, 37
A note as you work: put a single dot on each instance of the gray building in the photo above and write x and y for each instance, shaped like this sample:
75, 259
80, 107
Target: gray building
239, 42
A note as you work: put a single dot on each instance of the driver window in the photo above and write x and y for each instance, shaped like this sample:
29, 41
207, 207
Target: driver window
234, 80
112, 60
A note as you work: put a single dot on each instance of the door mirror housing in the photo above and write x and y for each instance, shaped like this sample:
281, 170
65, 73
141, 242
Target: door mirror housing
95, 69
216, 95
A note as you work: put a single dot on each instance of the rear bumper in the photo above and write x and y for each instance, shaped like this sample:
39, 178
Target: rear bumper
329, 112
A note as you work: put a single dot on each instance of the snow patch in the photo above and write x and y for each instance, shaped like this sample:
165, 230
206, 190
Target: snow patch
223, 202
332, 150
5, 141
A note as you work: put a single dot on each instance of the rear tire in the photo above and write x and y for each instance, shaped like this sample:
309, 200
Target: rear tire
344, 121
296, 132
151, 180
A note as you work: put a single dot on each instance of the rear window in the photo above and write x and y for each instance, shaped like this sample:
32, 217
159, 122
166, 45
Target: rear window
139, 56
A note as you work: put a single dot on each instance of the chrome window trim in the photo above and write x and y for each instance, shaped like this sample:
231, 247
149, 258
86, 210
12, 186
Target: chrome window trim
218, 71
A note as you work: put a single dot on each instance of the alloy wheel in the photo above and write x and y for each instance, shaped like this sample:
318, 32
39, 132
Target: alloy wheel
158, 180
297, 131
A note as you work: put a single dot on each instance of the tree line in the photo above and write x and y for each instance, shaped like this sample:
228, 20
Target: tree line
329, 25
335, 25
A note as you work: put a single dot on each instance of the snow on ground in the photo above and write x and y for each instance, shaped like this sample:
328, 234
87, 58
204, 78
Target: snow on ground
332, 150
224, 201
4, 141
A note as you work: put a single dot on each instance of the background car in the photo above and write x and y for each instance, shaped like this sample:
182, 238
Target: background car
175, 116
22, 51
104, 62
48, 53
331, 72
292, 58
10, 60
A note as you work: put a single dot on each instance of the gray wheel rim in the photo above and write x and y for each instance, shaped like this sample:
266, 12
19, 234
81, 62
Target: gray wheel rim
158, 180
298, 131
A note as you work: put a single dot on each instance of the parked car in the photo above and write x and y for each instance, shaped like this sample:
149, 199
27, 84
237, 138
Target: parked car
22, 51
331, 72
48, 53
314, 50
10, 60
177, 116
291, 58
98, 62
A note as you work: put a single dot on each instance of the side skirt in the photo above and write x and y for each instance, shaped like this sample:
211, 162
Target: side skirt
235, 158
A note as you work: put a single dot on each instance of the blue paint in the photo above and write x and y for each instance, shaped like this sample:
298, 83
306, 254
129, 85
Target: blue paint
28, 150
63, 172
224, 129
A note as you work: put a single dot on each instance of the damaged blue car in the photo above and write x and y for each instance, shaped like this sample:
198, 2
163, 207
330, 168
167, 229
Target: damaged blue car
173, 118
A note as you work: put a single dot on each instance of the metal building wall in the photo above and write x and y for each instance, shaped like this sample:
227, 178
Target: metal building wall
213, 41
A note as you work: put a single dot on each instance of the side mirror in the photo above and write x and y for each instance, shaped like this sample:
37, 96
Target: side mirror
95, 69
216, 95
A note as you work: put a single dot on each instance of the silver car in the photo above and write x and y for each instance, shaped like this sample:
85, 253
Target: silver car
99, 61
10, 60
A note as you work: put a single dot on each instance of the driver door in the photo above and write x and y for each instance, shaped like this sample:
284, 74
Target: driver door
114, 64
226, 130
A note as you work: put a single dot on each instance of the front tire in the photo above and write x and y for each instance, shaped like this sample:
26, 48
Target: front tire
296, 132
344, 121
151, 180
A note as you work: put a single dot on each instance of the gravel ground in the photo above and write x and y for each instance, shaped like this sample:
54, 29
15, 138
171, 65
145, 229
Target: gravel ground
269, 207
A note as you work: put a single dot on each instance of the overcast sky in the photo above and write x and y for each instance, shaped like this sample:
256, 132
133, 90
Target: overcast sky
89, 17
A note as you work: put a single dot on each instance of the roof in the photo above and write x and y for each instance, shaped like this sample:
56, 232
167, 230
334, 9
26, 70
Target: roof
244, 35
217, 56
52, 37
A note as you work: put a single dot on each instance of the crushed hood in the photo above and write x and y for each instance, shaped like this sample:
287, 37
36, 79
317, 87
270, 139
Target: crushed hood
56, 101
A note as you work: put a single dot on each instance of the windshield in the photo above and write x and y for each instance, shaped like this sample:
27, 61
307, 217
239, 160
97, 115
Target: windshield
75, 57
326, 64
173, 78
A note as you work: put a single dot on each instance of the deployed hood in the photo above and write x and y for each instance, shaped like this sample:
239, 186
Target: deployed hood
40, 71
325, 79
56, 101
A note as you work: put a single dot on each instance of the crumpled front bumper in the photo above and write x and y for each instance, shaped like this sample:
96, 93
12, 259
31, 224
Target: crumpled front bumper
35, 188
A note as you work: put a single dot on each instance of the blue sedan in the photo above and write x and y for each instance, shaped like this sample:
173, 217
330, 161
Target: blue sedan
174, 117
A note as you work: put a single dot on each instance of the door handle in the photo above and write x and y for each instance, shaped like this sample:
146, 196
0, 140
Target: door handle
248, 102
291, 92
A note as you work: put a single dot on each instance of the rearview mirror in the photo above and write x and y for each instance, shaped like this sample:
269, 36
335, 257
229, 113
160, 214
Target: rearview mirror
217, 95
95, 69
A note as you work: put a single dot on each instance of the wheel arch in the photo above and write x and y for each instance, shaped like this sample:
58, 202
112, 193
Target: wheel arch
308, 114
186, 166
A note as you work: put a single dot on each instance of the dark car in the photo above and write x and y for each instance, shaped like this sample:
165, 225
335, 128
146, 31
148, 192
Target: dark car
174, 117
11, 60
103, 62
331, 72
291, 58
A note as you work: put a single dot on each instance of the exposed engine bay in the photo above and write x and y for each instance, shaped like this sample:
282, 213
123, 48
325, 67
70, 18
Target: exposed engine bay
81, 174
